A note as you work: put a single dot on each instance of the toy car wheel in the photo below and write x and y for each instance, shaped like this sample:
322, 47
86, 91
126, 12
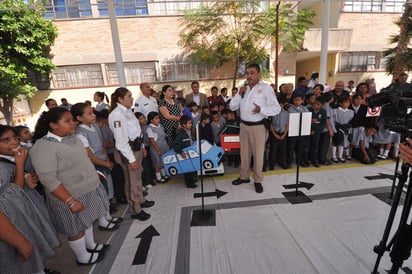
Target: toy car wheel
172, 171
207, 164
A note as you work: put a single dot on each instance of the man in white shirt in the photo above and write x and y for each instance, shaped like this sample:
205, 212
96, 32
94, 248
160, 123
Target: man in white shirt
256, 102
146, 103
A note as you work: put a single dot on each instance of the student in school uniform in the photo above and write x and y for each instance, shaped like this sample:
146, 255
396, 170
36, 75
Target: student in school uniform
278, 137
298, 147
158, 145
317, 127
91, 136
329, 131
75, 195
343, 116
361, 145
183, 140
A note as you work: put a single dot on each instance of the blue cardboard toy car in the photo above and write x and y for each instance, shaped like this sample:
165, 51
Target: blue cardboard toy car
175, 164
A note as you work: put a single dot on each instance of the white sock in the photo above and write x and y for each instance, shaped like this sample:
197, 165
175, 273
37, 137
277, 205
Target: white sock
386, 153
79, 249
381, 151
108, 216
158, 176
340, 148
333, 152
105, 223
162, 171
347, 151
89, 238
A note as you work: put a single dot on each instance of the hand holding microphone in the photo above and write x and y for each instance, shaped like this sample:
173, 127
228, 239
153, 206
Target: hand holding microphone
243, 89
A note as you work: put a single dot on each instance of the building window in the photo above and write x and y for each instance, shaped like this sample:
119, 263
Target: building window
124, 7
59, 9
360, 61
162, 7
77, 76
182, 71
395, 6
135, 73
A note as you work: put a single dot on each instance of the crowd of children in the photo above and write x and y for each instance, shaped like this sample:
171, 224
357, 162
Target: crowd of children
88, 159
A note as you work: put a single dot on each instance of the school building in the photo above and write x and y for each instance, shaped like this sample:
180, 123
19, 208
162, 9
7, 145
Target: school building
148, 32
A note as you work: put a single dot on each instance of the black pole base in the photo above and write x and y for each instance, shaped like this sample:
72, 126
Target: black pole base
296, 197
203, 217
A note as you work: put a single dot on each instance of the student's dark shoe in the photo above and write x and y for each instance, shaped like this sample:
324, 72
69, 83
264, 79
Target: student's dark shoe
341, 160
335, 160
145, 193
109, 227
258, 187
193, 185
147, 204
161, 181
51, 271
98, 248
141, 216
93, 259
315, 164
239, 181
116, 220
271, 167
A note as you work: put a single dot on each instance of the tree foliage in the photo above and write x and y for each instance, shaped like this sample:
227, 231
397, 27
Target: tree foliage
239, 32
399, 58
25, 41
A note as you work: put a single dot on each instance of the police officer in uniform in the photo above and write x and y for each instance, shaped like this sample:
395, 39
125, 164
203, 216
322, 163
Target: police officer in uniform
127, 135
256, 102
146, 103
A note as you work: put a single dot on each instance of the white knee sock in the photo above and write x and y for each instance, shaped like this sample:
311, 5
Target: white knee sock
162, 171
340, 152
381, 151
333, 152
347, 151
105, 223
89, 238
385, 153
158, 176
79, 249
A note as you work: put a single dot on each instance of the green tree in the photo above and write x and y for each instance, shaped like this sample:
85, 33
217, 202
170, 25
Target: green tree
238, 32
25, 41
399, 58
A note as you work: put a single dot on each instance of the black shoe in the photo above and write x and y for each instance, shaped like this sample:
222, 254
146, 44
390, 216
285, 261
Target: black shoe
147, 204
51, 271
141, 216
258, 187
272, 168
100, 256
145, 193
315, 164
103, 248
193, 185
239, 181
109, 227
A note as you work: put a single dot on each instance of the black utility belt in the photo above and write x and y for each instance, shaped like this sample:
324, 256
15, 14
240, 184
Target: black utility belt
261, 122
136, 144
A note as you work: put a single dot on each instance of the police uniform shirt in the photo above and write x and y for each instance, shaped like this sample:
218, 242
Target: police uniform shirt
125, 128
262, 95
146, 105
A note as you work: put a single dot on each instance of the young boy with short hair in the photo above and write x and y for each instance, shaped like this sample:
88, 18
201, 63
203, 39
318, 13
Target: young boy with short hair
183, 140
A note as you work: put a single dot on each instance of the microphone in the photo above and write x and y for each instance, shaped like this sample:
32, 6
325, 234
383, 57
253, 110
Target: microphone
245, 84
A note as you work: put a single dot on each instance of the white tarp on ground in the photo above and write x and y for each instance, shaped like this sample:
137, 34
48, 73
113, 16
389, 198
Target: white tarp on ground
263, 233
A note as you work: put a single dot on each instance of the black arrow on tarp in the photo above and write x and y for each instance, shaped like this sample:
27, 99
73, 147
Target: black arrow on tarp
218, 193
301, 184
380, 176
144, 245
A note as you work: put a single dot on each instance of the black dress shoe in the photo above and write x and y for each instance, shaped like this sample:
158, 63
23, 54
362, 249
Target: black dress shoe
258, 187
239, 181
192, 185
109, 227
123, 201
141, 216
100, 257
145, 193
103, 248
147, 204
